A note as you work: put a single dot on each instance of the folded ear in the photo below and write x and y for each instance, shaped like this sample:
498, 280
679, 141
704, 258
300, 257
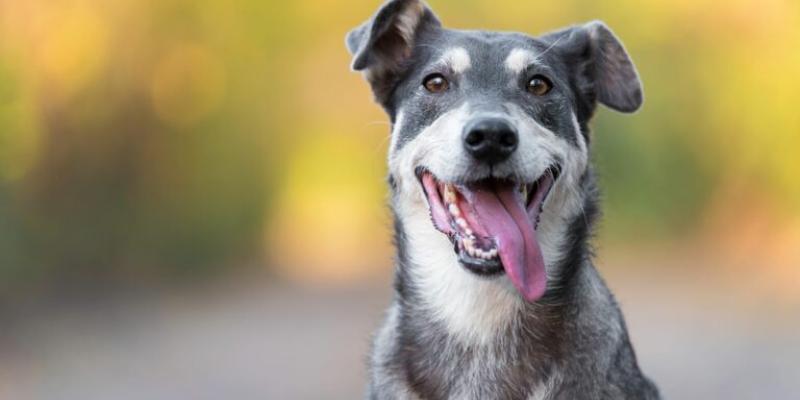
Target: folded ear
606, 74
381, 45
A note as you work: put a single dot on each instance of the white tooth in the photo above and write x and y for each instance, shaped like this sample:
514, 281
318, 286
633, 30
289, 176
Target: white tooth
524, 190
492, 253
468, 242
449, 193
462, 223
468, 231
470, 247
454, 209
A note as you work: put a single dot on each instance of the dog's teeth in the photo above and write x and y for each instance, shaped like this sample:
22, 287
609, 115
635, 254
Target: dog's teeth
469, 246
453, 208
468, 231
462, 223
523, 189
471, 251
449, 193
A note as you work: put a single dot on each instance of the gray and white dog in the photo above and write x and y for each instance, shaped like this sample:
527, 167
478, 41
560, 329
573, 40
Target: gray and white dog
494, 198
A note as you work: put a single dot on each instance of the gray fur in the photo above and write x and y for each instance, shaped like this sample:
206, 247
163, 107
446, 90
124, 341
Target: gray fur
572, 343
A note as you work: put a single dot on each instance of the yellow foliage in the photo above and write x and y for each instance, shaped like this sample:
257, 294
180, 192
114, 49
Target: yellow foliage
188, 84
251, 78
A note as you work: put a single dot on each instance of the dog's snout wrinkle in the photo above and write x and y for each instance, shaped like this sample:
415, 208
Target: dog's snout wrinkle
490, 140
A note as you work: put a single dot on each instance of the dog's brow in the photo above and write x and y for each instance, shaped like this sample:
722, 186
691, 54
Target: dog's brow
518, 59
457, 59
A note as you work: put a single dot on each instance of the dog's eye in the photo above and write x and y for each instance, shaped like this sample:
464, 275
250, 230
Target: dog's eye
435, 83
539, 85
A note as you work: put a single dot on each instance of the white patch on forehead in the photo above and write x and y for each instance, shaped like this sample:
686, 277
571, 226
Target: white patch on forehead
518, 59
457, 59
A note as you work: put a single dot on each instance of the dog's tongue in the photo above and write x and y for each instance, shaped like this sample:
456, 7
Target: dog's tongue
501, 210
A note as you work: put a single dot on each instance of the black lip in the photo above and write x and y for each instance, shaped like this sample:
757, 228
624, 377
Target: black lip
554, 170
479, 266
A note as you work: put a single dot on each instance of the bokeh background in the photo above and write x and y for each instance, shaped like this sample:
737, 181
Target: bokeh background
192, 197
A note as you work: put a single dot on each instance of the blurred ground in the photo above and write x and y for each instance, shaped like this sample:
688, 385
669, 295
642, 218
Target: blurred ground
698, 336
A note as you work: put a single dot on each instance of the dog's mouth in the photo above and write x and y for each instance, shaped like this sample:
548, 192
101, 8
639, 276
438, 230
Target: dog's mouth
492, 224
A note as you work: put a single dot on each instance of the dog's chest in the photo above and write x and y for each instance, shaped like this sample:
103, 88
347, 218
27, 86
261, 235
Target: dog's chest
438, 366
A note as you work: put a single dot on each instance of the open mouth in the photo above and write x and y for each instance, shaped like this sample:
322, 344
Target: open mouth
492, 224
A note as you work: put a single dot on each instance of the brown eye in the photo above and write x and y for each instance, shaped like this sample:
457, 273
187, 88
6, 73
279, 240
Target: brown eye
435, 83
539, 85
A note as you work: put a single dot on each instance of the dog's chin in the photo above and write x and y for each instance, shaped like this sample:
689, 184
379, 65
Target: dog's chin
492, 223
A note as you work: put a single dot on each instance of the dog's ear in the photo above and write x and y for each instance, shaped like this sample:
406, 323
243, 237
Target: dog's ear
382, 45
604, 72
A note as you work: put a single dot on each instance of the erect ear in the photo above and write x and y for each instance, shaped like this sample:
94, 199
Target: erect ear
605, 72
382, 45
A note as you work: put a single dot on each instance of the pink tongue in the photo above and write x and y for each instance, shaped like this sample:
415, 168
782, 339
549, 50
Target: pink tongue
502, 212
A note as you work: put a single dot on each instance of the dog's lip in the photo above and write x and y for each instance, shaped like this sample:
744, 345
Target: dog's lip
488, 262
554, 170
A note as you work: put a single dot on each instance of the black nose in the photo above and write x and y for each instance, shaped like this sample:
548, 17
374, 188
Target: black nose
490, 140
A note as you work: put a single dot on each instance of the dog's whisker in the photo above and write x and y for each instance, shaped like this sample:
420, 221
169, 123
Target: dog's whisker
555, 42
380, 145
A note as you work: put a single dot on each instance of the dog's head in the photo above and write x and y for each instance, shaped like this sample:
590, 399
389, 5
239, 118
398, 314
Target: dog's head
490, 137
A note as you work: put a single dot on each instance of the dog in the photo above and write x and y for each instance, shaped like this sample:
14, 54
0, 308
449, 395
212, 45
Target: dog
494, 199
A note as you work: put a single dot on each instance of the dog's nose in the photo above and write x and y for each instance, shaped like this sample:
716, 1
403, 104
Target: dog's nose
490, 140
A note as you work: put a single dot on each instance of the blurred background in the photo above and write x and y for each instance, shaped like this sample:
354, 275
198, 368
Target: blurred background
192, 197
